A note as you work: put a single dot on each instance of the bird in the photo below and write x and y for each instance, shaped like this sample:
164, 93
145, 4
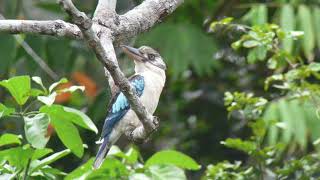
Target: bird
148, 81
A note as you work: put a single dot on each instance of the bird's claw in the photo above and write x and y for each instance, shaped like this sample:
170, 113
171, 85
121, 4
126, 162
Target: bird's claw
156, 122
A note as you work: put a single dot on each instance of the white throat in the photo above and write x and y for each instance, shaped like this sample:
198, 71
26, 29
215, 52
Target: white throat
150, 70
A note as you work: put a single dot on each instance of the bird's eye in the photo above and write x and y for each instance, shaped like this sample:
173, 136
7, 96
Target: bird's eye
151, 56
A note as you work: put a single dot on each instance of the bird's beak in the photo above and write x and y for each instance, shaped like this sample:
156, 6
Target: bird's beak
133, 53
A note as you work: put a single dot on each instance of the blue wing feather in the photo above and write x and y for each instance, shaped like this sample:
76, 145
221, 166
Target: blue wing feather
119, 105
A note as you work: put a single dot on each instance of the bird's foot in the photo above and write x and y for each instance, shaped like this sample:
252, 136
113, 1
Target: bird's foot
156, 123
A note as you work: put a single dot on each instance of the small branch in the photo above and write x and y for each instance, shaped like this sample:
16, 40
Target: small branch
105, 9
34, 55
25, 177
57, 28
36, 58
143, 17
108, 47
85, 25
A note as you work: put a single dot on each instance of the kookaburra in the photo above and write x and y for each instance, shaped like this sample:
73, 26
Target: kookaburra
148, 82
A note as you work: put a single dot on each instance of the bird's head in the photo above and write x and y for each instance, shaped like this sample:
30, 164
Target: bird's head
145, 58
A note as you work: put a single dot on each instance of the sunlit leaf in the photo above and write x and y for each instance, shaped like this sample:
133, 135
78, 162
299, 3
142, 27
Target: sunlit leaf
242, 145
35, 165
6, 139
48, 100
66, 131
54, 85
39, 153
306, 25
174, 158
17, 157
165, 172
82, 172
287, 23
110, 169
5, 111
19, 87
316, 20
36, 130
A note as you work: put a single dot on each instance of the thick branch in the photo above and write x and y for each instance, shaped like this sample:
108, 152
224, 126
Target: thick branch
85, 24
53, 28
106, 10
143, 17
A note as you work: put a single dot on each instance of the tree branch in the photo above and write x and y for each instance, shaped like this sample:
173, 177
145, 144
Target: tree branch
34, 55
143, 17
85, 24
106, 10
37, 58
52, 28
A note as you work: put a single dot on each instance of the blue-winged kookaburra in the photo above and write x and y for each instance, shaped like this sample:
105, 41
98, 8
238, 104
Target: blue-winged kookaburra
148, 81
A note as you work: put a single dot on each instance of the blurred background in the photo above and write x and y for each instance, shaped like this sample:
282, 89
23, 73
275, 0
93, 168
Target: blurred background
201, 68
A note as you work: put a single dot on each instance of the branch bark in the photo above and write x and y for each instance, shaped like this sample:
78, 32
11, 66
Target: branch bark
56, 28
143, 17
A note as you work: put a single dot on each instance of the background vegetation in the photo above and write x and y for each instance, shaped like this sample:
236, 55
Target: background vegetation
241, 98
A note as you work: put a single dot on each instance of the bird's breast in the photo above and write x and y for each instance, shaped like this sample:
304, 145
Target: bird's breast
152, 91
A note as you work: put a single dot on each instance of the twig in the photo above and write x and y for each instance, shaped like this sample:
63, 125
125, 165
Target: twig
37, 58
25, 177
56, 28
34, 55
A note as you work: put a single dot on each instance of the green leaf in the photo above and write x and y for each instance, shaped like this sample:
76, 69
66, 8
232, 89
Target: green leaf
82, 119
38, 80
69, 135
259, 15
298, 122
236, 143
70, 114
110, 169
306, 25
39, 153
82, 172
54, 85
165, 172
19, 87
72, 89
315, 67
316, 20
132, 155
173, 157
36, 130
139, 176
48, 100
250, 43
5, 111
66, 131
17, 157
35, 165
252, 56
270, 116
36, 92
261, 52
285, 117
6, 139
287, 23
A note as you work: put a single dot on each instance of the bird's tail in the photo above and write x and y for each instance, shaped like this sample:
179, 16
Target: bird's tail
103, 150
